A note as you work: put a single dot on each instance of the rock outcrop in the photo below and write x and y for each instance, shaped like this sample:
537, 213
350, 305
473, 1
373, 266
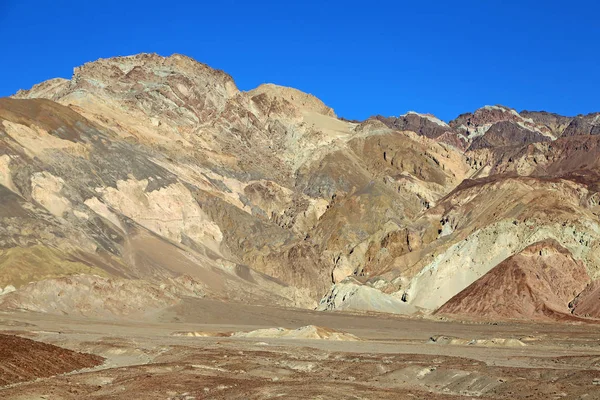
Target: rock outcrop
306, 332
353, 296
587, 303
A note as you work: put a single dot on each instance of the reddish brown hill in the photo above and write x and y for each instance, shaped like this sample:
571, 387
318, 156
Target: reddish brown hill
584, 125
23, 360
506, 133
537, 283
424, 125
555, 123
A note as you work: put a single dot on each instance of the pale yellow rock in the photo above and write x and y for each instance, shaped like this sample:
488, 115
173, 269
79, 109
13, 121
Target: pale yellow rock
36, 140
81, 214
169, 211
305, 332
45, 189
101, 209
5, 173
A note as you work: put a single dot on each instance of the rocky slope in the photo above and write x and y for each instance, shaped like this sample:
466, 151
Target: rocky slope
141, 170
587, 303
24, 359
537, 283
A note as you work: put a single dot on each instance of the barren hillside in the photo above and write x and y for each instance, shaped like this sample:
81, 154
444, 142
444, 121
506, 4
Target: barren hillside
143, 172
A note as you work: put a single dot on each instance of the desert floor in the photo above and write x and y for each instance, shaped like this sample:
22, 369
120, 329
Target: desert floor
395, 358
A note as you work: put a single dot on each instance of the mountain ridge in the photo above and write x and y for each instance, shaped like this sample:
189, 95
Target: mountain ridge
161, 168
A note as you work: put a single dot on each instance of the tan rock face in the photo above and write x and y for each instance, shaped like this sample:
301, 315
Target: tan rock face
299, 100
45, 189
5, 174
170, 211
149, 168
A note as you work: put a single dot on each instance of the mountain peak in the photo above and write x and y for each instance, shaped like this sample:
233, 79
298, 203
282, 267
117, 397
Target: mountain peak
303, 101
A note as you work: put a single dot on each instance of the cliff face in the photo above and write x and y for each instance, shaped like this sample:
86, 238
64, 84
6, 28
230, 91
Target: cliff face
150, 168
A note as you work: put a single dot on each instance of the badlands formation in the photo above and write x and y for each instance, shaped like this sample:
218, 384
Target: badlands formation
151, 190
145, 171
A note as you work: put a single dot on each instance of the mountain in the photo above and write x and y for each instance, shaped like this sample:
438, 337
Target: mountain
154, 178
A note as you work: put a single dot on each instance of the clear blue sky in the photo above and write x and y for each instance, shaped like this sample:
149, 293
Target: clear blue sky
362, 58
